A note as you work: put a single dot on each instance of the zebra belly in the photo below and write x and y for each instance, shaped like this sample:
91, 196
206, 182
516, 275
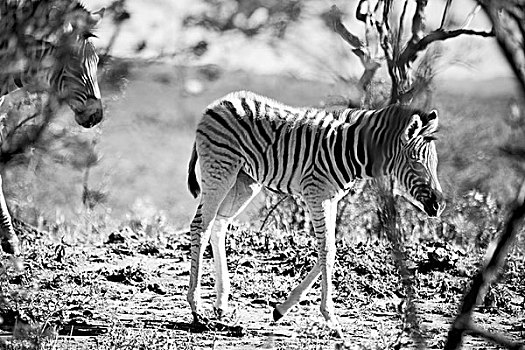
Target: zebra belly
269, 179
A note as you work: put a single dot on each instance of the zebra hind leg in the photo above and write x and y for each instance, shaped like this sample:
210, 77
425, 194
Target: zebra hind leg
242, 192
214, 190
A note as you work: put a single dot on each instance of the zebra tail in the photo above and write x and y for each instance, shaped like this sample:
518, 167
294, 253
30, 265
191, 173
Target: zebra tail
193, 184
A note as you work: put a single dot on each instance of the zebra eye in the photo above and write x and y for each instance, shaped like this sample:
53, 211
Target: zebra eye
417, 165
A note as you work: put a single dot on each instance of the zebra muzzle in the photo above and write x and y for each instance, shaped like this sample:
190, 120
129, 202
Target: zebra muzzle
434, 205
91, 115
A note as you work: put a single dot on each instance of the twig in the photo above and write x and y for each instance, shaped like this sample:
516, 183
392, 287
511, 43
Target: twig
442, 35
271, 211
401, 26
340, 28
445, 14
419, 41
494, 338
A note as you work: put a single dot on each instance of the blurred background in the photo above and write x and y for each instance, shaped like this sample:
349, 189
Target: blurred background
163, 61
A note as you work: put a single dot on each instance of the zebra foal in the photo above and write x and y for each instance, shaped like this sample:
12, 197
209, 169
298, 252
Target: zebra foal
245, 141
66, 67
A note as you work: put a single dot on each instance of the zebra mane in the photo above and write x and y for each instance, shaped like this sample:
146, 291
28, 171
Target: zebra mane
80, 5
429, 130
74, 4
254, 96
408, 112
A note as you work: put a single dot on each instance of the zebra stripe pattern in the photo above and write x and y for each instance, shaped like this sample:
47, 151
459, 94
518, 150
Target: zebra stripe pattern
245, 141
67, 68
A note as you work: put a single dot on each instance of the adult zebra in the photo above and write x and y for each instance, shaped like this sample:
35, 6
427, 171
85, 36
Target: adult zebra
245, 141
45, 45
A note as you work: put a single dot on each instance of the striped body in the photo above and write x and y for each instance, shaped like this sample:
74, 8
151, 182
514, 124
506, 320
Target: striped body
282, 147
245, 141
40, 52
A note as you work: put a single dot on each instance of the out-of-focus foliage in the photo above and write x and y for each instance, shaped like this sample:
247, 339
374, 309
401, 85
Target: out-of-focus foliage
251, 17
119, 14
37, 141
26, 26
24, 22
514, 147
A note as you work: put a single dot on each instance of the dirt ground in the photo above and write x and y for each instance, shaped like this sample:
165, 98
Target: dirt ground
129, 293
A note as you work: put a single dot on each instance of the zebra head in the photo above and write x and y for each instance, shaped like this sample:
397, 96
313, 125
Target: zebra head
417, 162
76, 74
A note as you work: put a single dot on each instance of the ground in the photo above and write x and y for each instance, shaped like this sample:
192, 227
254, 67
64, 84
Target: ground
129, 293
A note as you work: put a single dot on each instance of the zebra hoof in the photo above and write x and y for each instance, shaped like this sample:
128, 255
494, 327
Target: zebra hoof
219, 313
200, 321
277, 315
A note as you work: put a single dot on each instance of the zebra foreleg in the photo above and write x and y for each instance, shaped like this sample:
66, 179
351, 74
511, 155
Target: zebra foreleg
9, 240
298, 293
323, 218
324, 226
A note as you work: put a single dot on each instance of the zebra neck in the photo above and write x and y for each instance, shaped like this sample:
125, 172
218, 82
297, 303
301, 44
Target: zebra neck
367, 153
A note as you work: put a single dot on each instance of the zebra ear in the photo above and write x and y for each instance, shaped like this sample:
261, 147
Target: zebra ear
432, 123
414, 127
96, 16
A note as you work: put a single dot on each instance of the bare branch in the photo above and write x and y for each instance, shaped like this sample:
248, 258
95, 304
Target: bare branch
341, 29
370, 61
445, 13
410, 53
418, 31
444, 34
368, 75
401, 25
418, 22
